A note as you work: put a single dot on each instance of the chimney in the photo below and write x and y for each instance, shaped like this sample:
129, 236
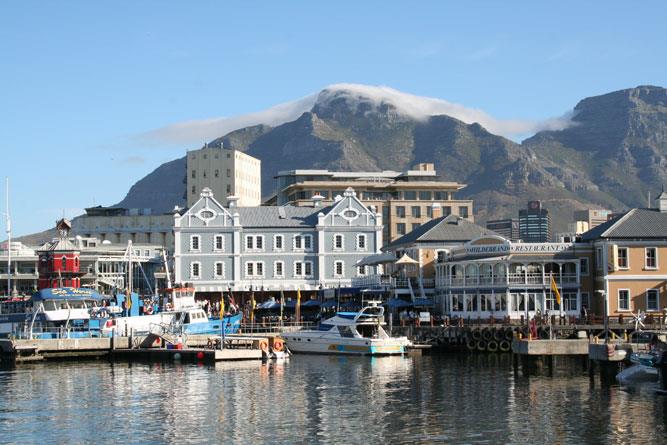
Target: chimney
436, 210
232, 201
317, 200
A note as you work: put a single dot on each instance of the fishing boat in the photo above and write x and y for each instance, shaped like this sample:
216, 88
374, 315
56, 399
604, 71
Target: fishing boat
52, 313
353, 333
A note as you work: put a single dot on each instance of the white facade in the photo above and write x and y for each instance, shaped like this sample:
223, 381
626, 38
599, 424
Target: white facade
226, 172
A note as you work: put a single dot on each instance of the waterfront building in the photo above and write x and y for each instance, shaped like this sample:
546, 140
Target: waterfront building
23, 272
507, 228
119, 225
409, 260
274, 248
403, 198
534, 223
59, 264
226, 172
493, 277
631, 261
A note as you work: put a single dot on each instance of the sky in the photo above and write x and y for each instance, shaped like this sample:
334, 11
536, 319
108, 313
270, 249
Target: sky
95, 95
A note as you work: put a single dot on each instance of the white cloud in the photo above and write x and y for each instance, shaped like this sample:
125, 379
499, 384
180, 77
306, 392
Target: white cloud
417, 107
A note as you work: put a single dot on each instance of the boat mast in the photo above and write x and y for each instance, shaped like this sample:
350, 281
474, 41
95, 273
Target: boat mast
8, 224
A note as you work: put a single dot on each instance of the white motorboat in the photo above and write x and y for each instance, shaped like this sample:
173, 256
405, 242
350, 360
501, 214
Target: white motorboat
355, 333
642, 370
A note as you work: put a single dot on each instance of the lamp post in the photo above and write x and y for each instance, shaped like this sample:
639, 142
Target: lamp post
603, 294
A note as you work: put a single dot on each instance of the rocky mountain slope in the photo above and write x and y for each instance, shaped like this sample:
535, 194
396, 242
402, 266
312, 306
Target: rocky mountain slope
611, 155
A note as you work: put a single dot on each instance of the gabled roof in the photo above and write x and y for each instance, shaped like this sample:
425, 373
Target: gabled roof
59, 245
449, 229
635, 223
272, 216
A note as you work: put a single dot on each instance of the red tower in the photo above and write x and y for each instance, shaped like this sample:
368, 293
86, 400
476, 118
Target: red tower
59, 260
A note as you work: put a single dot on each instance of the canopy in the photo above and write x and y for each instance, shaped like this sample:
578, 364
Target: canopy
405, 259
67, 293
329, 303
311, 303
269, 304
423, 302
397, 303
380, 258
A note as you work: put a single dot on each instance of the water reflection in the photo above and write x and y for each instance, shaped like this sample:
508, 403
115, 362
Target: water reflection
322, 399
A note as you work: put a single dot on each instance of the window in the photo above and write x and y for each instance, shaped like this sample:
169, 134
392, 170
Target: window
415, 225
303, 242
400, 228
218, 243
425, 196
440, 196
463, 212
216, 173
585, 301
254, 269
254, 242
303, 269
652, 300
429, 211
583, 266
278, 269
194, 174
410, 195
194, 190
623, 300
278, 242
338, 242
416, 212
400, 212
598, 258
339, 269
204, 175
229, 188
229, 173
361, 270
361, 242
219, 271
195, 270
651, 258
446, 210
623, 258
194, 242
63, 263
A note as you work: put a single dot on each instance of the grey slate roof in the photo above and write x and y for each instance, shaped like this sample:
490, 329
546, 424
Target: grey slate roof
269, 216
449, 228
635, 223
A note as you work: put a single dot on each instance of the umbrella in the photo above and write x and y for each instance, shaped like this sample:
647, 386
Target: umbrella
397, 303
310, 303
423, 302
405, 259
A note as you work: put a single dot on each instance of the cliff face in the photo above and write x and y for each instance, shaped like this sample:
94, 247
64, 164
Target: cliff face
611, 155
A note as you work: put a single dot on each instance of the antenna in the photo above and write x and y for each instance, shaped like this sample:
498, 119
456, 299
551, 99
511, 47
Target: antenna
649, 199
8, 224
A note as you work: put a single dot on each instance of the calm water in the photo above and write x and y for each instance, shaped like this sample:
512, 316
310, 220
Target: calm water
321, 399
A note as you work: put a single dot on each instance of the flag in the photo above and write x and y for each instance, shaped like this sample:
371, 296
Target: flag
298, 305
222, 306
253, 303
128, 301
554, 288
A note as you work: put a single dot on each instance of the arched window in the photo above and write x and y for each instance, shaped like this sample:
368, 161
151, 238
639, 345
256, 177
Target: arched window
63, 263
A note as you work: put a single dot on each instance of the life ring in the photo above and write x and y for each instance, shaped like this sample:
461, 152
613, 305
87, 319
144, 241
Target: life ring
278, 345
149, 310
264, 345
504, 346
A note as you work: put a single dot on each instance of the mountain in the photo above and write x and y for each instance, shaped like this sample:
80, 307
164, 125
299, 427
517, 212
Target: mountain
610, 154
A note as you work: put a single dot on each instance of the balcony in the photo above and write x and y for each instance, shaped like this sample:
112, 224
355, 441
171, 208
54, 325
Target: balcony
521, 279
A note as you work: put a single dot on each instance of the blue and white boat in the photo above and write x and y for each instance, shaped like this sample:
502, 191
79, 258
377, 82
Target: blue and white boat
54, 313
354, 333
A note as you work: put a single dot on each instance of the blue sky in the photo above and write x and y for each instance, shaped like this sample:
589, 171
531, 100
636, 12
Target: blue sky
81, 82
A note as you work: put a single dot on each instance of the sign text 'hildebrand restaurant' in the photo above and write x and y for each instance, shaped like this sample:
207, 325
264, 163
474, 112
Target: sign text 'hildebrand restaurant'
516, 248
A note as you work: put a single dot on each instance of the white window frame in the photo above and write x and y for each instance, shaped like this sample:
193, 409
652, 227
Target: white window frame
215, 270
275, 269
627, 258
253, 243
254, 273
215, 242
192, 269
298, 238
282, 242
342, 242
583, 260
304, 266
359, 271
335, 269
618, 302
657, 300
646, 266
302, 240
308, 243
361, 236
192, 242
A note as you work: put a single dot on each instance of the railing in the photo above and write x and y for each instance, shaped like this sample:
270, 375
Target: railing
372, 281
274, 327
512, 278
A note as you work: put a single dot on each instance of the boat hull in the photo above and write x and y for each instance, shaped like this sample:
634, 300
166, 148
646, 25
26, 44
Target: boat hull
304, 344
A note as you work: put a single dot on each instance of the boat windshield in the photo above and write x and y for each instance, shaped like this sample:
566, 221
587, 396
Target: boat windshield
345, 331
371, 331
76, 304
50, 305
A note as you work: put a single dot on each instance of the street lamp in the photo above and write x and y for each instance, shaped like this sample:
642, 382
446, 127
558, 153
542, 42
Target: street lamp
603, 294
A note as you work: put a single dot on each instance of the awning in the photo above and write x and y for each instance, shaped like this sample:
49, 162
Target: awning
269, 304
380, 258
397, 303
423, 302
311, 303
405, 259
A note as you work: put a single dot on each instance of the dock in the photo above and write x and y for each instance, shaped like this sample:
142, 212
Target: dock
196, 348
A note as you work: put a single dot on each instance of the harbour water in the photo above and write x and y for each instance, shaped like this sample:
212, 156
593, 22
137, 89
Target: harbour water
456, 398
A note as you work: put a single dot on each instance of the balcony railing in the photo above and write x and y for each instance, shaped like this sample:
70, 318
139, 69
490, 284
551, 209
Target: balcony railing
531, 279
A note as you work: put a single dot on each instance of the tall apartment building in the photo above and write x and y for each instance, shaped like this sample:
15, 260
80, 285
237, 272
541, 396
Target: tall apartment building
592, 218
404, 199
226, 172
507, 228
534, 223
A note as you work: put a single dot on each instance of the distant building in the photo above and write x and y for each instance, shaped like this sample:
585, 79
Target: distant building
592, 218
534, 223
507, 228
404, 199
226, 172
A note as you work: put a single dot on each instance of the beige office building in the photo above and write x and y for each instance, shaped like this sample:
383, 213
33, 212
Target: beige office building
226, 172
405, 199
